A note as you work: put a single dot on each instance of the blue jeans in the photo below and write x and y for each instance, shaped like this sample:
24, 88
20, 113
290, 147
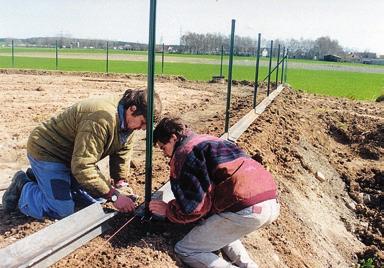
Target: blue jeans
54, 192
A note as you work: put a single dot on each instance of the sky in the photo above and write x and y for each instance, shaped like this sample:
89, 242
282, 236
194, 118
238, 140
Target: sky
356, 24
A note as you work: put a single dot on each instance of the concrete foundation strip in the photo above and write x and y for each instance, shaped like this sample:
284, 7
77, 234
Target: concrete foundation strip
237, 129
59, 239
56, 241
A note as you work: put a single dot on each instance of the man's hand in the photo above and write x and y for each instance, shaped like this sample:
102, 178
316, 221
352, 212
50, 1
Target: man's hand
124, 204
119, 183
158, 208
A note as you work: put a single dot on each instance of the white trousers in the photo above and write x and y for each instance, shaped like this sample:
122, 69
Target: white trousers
222, 232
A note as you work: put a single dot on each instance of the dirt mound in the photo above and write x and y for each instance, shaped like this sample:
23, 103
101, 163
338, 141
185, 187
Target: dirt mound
326, 154
380, 98
363, 133
367, 191
315, 143
92, 75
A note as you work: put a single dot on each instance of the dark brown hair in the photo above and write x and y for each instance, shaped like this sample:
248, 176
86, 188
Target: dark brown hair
138, 98
166, 127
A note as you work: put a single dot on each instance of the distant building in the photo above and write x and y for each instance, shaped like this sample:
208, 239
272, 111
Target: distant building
366, 55
264, 53
352, 57
333, 58
172, 49
127, 47
373, 61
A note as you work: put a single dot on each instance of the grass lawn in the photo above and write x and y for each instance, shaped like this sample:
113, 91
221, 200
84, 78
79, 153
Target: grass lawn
366, 86
172, 55
362, 86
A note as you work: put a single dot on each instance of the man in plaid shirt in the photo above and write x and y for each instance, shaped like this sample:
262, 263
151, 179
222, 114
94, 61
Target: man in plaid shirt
215, 182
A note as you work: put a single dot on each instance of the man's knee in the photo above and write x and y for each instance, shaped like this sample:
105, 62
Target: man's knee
180, 250
60, 203
67, 210
61, 209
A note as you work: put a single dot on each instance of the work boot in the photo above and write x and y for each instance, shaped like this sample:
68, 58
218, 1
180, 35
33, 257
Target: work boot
12, 194
30, 174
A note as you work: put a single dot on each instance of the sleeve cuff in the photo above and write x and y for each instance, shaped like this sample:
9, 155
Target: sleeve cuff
110, 193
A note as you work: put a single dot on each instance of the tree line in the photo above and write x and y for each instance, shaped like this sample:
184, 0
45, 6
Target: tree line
303, 48
68, 42
209, 43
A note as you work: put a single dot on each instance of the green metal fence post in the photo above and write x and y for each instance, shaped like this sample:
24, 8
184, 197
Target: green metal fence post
107, 60
150, 89
257, 70
162, 60
13, 54
286, 67
57, 56
226, 127
278, 64
270, 65
282, 66
221, 61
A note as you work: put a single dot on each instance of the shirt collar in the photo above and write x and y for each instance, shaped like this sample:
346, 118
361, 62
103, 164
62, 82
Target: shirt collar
183, 140
124, 130
121, 112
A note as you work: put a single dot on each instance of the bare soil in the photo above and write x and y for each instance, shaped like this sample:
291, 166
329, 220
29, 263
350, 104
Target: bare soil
332, 219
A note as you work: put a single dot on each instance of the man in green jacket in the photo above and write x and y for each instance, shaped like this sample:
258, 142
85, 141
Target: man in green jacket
64, 151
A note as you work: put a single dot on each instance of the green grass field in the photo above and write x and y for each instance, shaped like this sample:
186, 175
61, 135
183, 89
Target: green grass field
360, 86
363, 86
51, 51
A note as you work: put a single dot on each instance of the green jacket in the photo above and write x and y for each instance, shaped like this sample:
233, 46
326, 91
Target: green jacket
82, 135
